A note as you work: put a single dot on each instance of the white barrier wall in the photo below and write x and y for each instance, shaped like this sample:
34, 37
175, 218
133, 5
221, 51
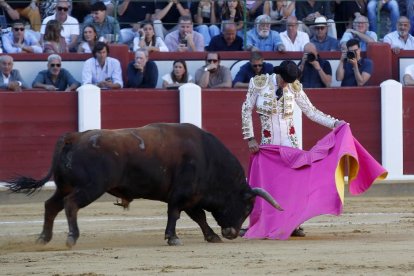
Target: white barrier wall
89, 107
190, 104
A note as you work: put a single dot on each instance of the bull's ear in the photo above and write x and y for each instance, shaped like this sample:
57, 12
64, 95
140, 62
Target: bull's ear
266, 196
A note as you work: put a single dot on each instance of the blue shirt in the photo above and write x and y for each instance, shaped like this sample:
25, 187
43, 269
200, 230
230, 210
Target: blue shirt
363, 45
28, 40
310, 76
145, 79
364, 65
270, 43
246, 72
109, 26
328, 44
218, 43
63, 81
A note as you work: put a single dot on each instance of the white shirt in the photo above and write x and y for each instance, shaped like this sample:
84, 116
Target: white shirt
93, 73
168, 79
295, 46
409, 70
159, 43
394, 40
69, 27
6, 80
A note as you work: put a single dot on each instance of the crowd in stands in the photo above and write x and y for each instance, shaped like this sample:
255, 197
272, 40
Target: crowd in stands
308, 26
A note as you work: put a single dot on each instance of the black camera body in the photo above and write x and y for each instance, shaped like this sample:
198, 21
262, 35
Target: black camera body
350, 55
310, 57
183, 41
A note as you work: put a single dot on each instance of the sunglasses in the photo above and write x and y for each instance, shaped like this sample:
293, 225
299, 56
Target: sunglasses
62, 9
18, 29
257, 65
212, 60
55, 65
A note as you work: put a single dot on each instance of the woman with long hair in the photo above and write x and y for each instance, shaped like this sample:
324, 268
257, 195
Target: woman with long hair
278, 11
148, 40
232, 11
53, 42
178, 76
89, 39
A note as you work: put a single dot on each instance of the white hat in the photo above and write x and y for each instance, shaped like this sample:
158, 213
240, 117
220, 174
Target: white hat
320, 21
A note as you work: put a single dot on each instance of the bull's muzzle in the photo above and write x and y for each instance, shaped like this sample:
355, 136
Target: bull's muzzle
229, 233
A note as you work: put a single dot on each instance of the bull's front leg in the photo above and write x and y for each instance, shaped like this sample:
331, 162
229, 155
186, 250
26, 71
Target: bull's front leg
199, 216
170, 235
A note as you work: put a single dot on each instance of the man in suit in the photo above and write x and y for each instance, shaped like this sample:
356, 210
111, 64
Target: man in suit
10, 78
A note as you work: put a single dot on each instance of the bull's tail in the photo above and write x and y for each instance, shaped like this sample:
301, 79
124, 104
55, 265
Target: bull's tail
28, 185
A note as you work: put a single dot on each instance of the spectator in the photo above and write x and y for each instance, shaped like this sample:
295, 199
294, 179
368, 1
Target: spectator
307, 11
10, 78
345, 12
293, 39
321, 39
178, 76
142, 73
15, 9
166, 14
232, 11
103, 23
48, 8
359, 32
53, 42
316, 72
213, 75
352, 69
18, 41
89, 39
206, 16
256, 66
148, 40
400, 39
130, 18
228, 40
55, 78
261, 38
278, 11
408, 78
70, 25
254, 8
185, 39
389, 5
102, 70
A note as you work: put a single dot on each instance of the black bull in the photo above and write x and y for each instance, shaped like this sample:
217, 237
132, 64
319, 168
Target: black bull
180, 164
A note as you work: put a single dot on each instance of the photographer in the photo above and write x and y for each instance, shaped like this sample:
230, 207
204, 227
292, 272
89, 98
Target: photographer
352, 69
315, 71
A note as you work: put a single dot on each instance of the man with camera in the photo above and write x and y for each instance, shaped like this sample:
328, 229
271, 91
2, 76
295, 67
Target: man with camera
316, 72
352, 69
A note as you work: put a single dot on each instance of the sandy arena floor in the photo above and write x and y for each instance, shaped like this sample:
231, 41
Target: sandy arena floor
374, 236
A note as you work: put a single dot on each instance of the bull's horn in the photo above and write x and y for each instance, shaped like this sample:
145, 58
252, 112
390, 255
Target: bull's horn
262, 193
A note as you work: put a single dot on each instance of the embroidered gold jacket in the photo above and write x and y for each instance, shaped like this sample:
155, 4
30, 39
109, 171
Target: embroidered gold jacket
261, 94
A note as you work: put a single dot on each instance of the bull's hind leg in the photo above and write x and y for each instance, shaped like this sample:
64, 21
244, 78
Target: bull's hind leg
73, 202
52, 207
199, 216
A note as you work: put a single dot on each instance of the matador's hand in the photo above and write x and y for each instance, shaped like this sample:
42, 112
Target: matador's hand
253, 145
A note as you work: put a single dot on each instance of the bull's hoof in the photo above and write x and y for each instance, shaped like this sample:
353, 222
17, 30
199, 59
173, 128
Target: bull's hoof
70, 242
174, 241
43, 239
213, 238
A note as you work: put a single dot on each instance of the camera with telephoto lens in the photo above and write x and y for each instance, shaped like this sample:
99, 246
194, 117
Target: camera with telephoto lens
350, 55
310, 57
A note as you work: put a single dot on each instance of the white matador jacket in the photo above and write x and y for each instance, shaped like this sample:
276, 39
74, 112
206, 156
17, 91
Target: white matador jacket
276, 116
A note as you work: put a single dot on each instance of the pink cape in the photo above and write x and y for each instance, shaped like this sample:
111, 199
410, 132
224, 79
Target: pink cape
307, 183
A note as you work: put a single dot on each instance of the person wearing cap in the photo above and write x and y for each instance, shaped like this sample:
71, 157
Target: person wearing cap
10, 79
262, 38
103, 23
274, 97
316, 72
320, 38
55, 78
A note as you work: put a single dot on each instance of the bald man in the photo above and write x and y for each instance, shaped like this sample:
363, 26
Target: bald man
316, 72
